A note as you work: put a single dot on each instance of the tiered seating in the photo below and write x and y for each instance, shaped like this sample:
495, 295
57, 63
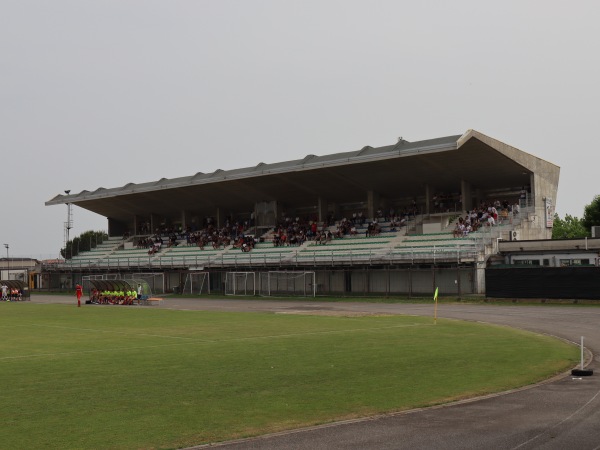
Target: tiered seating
95, 255
129, 257
186, 255
435, 246
349, 248
262, 254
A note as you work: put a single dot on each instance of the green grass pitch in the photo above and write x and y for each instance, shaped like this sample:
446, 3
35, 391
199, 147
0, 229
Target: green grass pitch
128, 378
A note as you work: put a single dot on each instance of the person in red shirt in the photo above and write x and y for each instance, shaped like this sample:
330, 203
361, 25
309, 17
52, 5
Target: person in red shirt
79, 293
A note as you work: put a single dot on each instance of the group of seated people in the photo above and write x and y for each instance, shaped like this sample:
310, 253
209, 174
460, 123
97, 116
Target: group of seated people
245, 243
294, 232
289, 232
118, 297
216, 238
152, 243
373, 229
486, 214
11, 294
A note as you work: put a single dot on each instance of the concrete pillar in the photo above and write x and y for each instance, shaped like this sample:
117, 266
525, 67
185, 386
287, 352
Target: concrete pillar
322, 208
372, 204
466, 195
153, 223
480, 277
184, 219
428, 198
220, 218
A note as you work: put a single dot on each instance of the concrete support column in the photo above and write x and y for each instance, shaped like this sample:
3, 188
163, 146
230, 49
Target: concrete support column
480, 277
184, 219
428, 198
154, 221
322, 208
466, 195
220, 218
372, 204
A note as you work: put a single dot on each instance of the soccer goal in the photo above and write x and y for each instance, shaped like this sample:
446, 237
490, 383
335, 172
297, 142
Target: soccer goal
240, 283
299, 284
196, 283
155, 280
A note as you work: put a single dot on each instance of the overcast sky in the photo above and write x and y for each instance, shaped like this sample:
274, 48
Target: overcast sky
103, 93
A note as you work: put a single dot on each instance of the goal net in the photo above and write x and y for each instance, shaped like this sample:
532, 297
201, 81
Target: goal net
240, 283
155, 280
196, 283
298, 284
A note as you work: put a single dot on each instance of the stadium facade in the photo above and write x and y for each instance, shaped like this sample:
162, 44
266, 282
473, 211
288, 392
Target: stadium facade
429, 183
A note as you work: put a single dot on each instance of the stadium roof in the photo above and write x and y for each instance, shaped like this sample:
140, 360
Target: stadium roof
399, 170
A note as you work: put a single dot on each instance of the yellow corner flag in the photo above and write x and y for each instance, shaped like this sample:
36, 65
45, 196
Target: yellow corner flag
435, 296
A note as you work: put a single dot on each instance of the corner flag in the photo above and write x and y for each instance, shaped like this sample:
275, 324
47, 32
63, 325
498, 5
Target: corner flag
435, 307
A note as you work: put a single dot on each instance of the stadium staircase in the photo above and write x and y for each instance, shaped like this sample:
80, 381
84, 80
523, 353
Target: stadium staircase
96, 256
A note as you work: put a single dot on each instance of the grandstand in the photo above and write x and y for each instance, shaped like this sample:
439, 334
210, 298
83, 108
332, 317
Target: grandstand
369, 221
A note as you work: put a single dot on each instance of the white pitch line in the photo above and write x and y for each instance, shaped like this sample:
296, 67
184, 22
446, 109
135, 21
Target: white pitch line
188, 339
109, 331
103, 350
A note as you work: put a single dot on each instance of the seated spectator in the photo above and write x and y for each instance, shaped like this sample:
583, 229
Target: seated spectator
457, 232
468, 229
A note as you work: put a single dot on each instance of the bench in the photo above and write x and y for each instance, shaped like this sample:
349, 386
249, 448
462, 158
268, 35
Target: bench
149, 301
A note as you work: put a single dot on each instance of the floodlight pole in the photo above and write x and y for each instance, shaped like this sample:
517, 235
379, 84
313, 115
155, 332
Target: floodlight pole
68, 225
7, 263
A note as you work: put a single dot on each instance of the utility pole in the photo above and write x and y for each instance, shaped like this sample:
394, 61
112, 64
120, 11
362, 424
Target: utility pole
68, 225
7, 263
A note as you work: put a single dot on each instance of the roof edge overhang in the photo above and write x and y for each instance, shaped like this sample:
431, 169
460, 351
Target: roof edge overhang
398, 151
527, 160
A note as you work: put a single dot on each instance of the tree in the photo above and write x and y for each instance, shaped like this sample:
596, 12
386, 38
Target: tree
591, 214
83, 243
569, 228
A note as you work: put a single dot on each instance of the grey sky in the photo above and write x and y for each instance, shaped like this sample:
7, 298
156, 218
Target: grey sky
102, 93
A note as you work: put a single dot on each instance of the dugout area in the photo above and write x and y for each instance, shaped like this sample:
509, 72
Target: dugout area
20, 285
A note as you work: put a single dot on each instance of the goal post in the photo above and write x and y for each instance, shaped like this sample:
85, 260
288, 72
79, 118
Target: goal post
292, 283
196, 283
240, 283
